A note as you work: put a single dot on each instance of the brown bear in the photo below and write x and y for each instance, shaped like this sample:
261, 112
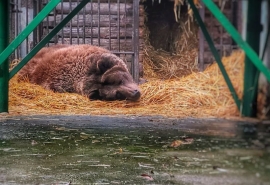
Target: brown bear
84, 69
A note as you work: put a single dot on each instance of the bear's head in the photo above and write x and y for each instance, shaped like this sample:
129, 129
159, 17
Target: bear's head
115, 81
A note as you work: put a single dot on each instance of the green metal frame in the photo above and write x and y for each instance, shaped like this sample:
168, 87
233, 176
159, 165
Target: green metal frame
29, 28
236, 36
4, 4
215, 54
7, 50
48, 37
251, 74
253, 61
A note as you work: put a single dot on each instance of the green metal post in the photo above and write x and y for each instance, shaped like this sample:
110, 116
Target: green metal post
4, 74
254, 29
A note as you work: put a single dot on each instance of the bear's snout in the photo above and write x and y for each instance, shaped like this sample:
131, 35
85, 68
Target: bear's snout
132, 96
136, 94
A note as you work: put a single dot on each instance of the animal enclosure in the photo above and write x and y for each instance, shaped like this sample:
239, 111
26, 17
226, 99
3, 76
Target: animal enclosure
168, 48
113, 24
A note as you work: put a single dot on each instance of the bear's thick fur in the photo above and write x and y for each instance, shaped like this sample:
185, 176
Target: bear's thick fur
84, 69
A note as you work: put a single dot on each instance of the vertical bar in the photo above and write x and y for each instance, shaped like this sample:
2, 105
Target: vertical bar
34, 15
125, 16
267, 46
221, 31
91, 24
19, 15
4, 73
254, 29
135, 63
62, 16
235, 19
70, 24
118, 24
35, 31
17, 26
124, 44
201, 40
18, 10
98, 22
27, 40
78, 30
11, 24
39, 27
47, 26
110, 33
221, 43
55, 40
83, 25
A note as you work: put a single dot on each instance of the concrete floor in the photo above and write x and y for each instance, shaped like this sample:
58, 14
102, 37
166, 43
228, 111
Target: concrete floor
132, 150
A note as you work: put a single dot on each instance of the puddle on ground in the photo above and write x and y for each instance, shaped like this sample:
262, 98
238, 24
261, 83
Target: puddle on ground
51, 154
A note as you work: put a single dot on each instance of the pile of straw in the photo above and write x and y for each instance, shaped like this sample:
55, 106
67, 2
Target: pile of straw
180, 61
200, 94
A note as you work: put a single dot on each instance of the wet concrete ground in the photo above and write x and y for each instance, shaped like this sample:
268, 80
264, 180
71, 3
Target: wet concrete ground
133, 150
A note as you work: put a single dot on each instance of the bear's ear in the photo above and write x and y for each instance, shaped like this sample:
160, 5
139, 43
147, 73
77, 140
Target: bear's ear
104, 64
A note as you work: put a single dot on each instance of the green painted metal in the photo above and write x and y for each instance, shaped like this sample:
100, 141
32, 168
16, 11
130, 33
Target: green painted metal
4, 4
251, 74
215, 53
48, 37
251, 54
29, 28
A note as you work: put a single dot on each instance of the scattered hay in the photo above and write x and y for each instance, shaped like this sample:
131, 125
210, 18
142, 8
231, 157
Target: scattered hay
202, 94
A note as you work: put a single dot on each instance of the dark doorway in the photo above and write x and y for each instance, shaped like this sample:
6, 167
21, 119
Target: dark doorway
162, 24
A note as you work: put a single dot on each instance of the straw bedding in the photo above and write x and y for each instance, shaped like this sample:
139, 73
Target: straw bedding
200, 94
175, 88
181, 60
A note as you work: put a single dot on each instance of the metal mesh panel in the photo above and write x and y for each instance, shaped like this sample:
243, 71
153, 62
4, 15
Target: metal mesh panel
111, 24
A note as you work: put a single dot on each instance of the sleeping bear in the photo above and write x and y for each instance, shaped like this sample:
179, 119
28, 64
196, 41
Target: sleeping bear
84, 69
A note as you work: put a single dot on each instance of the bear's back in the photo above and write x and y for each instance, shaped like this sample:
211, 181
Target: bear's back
63, 64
